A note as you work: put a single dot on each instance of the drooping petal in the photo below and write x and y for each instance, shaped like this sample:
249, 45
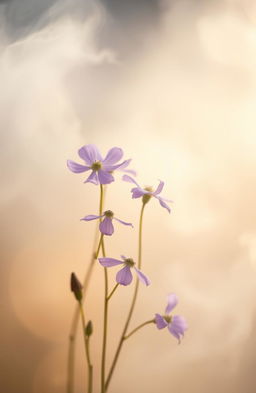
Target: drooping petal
90, 154
114, 155
106, 226
129, 179
123, 257
75, 167
178, 326
131, 171
110, 168
124, 276
123, 222
160, 321
124, 165
159, 188
172, 301
137, 192
105, 177
91, 217
109, 262
174, 332
163, 204
142, 277
93, 178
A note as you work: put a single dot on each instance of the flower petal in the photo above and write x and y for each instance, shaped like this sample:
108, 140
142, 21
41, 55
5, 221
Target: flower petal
129, 179
180, 323
123, 222
123, 257
124, 276
172, 302
106, 226
105, 177
90, 154
142, 277
93, 178
159, 188
163, 204
110, 168
114, 155
109, 262
174, 332
160, 321
91, 217
76, 168
137, 192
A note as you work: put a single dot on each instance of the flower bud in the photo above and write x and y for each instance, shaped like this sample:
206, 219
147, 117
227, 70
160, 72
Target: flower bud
89, 329
76, 287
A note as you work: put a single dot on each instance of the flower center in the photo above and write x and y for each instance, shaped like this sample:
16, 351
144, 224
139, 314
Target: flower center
109, 214
96, 166
129, 262
168, 318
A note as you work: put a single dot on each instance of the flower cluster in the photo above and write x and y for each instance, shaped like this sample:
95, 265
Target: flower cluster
102, 172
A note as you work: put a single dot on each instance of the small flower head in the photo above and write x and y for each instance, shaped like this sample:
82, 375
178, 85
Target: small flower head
106, 225
100, 168
147, 193
176, 324
124, 276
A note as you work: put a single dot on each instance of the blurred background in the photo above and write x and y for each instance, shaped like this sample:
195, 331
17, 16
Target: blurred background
173, 84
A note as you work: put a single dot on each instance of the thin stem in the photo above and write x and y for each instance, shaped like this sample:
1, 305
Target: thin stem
121, 341
75, 319
87, 350
112, 292
138, 327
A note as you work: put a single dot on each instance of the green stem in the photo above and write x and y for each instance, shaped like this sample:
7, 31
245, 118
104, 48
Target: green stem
121, 341
138, 327
75, 319
112, 292
87, 350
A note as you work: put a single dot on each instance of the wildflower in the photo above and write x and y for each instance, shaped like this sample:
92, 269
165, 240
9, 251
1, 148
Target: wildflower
124, 276
147, 193
106, 225
100, 167
176, 324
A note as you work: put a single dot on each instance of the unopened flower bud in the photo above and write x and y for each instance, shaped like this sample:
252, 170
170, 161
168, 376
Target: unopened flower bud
89, 329
76, 287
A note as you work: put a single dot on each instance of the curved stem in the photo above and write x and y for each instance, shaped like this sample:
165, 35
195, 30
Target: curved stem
87, 350
138, 327
113, 291
121, 341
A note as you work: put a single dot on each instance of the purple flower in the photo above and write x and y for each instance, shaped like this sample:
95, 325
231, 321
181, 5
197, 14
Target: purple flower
124, 276
176, 324
100, 167
106, 225
147, 193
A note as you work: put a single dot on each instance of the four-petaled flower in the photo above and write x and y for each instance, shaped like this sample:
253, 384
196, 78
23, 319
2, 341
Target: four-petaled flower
176, 324
106, 225
124, 276
147, 193
100, 167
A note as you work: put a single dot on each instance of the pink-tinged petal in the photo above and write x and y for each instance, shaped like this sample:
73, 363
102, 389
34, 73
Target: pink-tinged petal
109, 262
131, 171
125, 164
90, 154
93, 178
179, 323
123, 257
129, 179
105, 177
159, 188
76, 168
124, 276
174, 332
91, 217
106, 226
160, 321
123, 222
114, 155
163, 204
142, 277
110, 168
137, 192
171, 302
